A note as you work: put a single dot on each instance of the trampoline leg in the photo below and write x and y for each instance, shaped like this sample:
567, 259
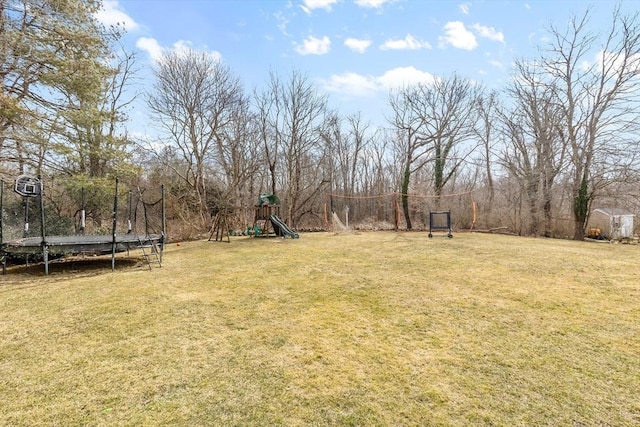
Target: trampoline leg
45, 253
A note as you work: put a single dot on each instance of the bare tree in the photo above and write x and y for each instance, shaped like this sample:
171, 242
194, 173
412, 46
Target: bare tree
346, 147
435, 123
195, 101
489, 108
346, 141
378, 175
534, 153
448, 110
599, 101
238, 156
291, 114
269, 114
410, 148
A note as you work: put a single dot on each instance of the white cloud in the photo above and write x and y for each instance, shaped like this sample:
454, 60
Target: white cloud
408, 43
614, 62
155, 50
464, 8
314, 46
488, 32
496, 64
113, 14
404, 76
182, 46
310, 5
151, 46
457, 35
585, 66
372, 4
358, 45
354, 84
282, 22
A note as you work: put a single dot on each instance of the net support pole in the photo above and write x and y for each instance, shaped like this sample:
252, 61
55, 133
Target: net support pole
43, 231
129, 221
83, 214
4, 256
113, 227
25, 227
164, 224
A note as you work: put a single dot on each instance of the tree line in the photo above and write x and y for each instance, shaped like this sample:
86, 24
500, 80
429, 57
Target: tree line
535, 156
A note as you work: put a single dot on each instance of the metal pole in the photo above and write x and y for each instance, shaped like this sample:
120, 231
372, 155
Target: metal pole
25, 228
113, 229
1, 212
43, 233
346, 215
164, 225
83, 214
129, 228
4, 255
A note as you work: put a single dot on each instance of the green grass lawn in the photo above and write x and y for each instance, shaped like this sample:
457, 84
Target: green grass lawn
371, 329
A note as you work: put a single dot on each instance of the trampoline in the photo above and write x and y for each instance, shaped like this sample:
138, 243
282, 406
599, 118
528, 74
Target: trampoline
81, 244
151, 243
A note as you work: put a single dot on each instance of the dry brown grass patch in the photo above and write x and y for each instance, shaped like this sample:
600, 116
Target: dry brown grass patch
359, 329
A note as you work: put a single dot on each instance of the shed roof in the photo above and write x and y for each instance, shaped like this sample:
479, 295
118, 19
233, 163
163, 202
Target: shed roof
613, 212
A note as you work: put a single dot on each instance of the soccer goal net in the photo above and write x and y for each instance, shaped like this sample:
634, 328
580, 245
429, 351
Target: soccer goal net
394, 212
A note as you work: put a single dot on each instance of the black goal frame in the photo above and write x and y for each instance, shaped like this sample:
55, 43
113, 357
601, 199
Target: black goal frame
433, 225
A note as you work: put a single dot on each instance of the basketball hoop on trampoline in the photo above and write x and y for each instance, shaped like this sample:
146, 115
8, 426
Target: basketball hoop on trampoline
27, 186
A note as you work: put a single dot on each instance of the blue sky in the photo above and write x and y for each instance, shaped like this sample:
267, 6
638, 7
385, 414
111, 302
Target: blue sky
355, 51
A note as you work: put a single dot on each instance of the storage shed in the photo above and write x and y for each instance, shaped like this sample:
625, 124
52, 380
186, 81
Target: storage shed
612, 224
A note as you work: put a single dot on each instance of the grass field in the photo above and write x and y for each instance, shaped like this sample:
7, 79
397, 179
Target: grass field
371, 329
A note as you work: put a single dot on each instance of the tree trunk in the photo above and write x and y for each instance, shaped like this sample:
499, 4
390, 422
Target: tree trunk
581, 209
405, 193
547, 207
532, 199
